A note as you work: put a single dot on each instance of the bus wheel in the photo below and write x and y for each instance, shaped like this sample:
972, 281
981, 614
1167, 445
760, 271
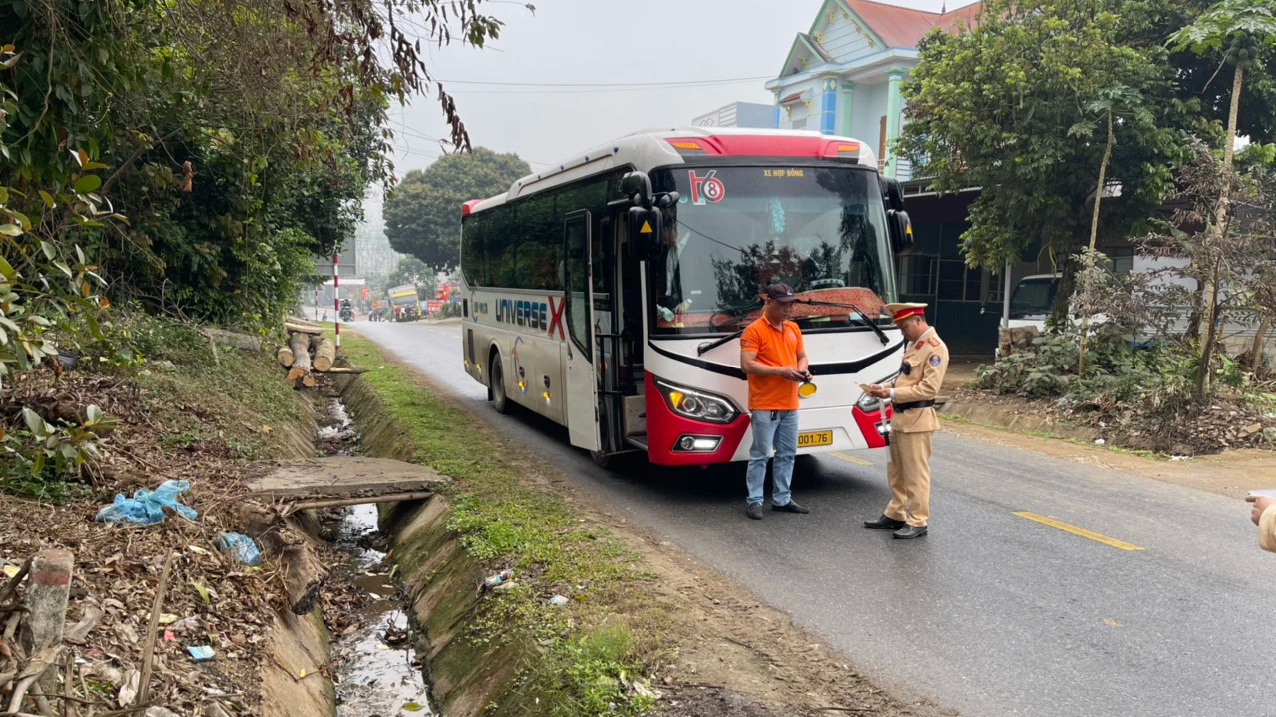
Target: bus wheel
500, 401
602, 460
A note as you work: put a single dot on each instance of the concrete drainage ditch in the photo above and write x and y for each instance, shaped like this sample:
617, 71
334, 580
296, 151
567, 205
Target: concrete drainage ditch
376, 670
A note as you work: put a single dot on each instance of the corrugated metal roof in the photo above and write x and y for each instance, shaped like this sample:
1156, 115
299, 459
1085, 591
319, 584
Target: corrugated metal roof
905, 27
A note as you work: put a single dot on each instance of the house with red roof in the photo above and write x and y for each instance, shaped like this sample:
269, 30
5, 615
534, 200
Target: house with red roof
843, 76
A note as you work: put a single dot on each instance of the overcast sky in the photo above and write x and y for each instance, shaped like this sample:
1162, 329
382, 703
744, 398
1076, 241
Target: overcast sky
602, 41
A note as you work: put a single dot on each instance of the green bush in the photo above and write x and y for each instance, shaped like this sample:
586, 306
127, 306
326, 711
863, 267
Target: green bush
1152, 375
41, 457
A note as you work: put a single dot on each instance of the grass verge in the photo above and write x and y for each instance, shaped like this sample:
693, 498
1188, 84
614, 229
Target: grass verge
590, 651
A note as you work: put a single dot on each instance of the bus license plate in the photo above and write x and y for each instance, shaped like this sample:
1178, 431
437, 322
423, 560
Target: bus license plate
815, 438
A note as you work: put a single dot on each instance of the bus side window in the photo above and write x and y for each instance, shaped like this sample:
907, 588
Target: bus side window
576, 247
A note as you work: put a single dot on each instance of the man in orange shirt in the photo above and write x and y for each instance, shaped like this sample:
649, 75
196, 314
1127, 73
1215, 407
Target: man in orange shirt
772, 354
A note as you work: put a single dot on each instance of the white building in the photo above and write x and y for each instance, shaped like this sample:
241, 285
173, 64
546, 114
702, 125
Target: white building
738, 114
843, 75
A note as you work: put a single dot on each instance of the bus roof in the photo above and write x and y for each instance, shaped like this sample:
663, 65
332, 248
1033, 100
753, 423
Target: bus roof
653, 148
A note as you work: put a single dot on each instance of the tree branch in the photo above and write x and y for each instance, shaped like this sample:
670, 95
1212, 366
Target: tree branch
110, 182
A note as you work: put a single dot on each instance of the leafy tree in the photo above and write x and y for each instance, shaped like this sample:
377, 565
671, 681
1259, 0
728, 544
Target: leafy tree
423, 213
412, 270
238, 138
1009, 106
1238, 28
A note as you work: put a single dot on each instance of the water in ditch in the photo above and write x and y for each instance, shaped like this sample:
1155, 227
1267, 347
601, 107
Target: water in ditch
376, 667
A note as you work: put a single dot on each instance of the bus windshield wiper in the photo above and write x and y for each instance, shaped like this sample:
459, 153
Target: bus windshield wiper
711, 345
863, 317
704, 348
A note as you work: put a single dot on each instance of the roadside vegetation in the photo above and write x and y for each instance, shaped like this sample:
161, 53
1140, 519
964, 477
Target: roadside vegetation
186, 160
183, 414
1114, 121
76, 432
594, 651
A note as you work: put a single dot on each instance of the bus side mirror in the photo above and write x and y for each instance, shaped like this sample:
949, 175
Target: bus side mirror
901, 229
893, 193
645, 230
636, 186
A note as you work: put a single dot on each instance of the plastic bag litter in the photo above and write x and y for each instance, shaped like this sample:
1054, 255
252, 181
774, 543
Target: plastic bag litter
239, 545
146, 506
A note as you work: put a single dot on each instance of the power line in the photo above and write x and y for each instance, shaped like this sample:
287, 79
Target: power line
668, 83
467, 93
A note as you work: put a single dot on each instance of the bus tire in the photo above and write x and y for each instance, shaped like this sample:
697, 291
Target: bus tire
500, 399
602, 460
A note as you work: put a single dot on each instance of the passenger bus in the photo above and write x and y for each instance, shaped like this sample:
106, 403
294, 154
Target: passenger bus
608, 294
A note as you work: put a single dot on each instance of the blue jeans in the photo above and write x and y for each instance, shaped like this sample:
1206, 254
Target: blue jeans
780, 432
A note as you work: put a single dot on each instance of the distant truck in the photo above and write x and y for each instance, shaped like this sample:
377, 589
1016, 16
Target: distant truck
404, 303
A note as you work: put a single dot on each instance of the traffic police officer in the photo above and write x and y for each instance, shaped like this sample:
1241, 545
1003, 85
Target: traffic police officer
913, 420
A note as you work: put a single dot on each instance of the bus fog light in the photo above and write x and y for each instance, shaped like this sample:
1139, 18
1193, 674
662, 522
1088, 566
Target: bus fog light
690, 443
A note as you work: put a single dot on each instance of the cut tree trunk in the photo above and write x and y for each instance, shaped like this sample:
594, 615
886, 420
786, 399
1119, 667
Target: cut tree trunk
325, 352
300, 344
284, 356
295, 328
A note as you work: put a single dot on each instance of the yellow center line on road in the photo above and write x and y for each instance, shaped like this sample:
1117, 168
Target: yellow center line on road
1078, 531
853, 459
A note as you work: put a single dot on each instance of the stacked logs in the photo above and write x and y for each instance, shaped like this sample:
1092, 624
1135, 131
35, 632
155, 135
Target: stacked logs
307, 351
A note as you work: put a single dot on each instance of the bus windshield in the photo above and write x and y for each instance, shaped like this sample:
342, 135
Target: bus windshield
737, 230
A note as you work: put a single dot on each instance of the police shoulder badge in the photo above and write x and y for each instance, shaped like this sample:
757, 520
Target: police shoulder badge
935, 360
934, 341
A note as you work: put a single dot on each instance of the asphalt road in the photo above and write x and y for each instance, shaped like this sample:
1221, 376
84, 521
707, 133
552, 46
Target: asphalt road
991, 613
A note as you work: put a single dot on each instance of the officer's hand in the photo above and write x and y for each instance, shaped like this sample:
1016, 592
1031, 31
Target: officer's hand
1261, 503
793, 374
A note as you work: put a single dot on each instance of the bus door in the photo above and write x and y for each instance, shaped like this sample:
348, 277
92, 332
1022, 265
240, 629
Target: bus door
581, 392
608, 336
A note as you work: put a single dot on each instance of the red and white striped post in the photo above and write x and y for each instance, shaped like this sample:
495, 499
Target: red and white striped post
336, 304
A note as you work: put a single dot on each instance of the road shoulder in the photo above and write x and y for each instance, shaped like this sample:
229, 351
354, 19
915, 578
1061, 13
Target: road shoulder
1231, 473
700, 637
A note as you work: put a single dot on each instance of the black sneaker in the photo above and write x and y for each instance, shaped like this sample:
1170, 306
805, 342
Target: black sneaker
754, 511
884, 523
790, 507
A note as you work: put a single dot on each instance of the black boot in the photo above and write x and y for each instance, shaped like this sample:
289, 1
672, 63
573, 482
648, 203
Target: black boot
884, 523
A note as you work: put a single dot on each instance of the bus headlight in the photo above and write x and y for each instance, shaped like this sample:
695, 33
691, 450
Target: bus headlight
698, 405
868, 403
